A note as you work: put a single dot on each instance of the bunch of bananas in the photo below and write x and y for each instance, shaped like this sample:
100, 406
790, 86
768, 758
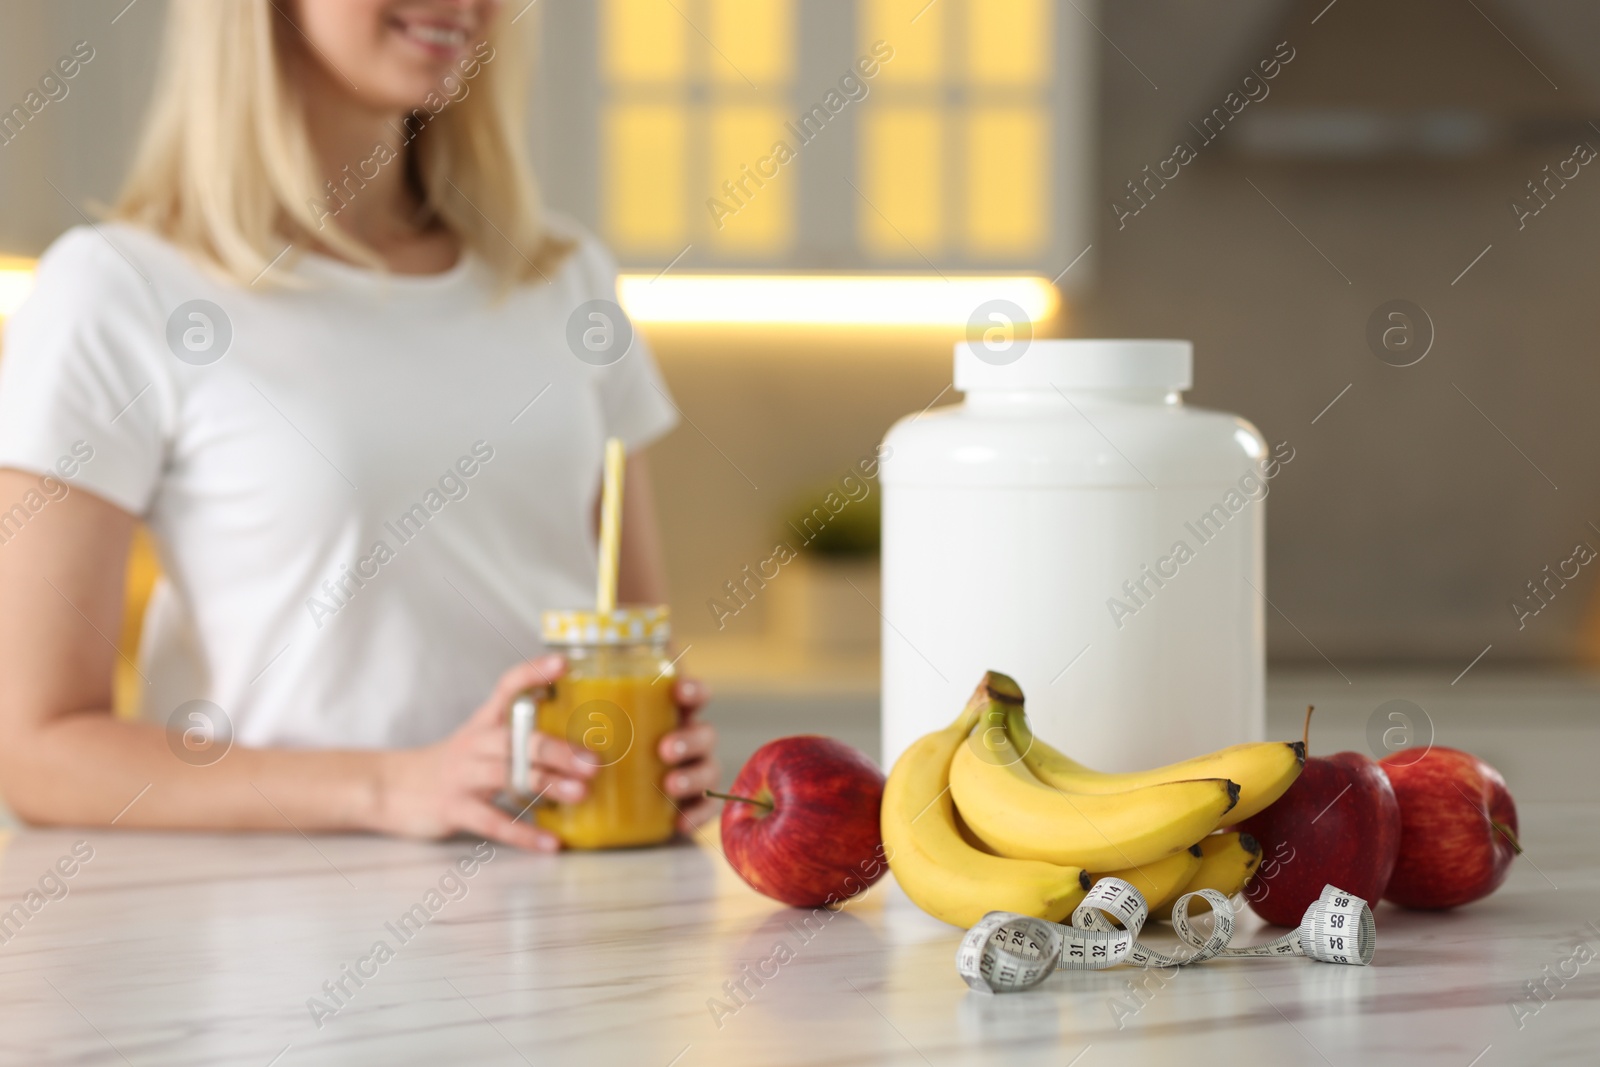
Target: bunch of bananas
983, 816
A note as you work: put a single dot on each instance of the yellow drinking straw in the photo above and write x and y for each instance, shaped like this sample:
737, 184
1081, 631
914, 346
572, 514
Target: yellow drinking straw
610, 526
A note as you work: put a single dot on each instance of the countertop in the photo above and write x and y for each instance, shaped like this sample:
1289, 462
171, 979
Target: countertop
207, 949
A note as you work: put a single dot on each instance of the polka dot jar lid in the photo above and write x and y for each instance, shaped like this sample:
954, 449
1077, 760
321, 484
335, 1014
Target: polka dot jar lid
624, 626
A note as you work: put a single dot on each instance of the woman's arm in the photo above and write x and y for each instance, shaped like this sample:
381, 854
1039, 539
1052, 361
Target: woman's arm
66, 760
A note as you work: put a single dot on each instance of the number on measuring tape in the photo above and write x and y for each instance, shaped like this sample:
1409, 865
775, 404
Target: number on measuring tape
1009, 953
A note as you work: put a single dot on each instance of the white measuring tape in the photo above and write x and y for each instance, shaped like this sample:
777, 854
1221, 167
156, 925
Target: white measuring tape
1008, 953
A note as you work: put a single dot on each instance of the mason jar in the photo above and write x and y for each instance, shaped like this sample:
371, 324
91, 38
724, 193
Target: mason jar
614, 703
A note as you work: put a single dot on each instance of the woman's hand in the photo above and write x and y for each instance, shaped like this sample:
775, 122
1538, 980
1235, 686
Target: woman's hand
450, 787
689, 753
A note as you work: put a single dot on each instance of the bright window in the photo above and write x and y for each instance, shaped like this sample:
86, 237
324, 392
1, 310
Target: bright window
902, 180
955, 148
695, 92
724, 135
645, 176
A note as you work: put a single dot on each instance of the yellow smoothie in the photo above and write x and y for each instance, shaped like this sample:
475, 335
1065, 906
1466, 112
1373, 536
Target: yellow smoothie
621, 719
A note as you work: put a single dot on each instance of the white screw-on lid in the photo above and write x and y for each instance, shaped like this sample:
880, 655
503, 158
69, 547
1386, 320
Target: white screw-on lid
1075, 364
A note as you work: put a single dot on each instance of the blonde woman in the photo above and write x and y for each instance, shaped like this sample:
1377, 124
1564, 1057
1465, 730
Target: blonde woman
328, 303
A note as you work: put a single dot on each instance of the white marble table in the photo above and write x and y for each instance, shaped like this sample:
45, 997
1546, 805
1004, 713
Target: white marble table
188, 949
177, 949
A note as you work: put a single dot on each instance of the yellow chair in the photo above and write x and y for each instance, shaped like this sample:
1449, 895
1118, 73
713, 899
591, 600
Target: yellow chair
143, 571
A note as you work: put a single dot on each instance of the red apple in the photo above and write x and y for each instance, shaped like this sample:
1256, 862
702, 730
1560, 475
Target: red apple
1458, 828
801, 821
1338, 824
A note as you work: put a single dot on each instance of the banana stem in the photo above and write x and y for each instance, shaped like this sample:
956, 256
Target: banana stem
742, 800
1305, 738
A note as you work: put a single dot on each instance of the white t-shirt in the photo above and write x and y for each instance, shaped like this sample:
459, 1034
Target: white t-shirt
365, 503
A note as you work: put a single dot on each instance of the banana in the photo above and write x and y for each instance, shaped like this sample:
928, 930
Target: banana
1264, 770
967, 835
1227, 862
1160, 882
1017, 815
941, 873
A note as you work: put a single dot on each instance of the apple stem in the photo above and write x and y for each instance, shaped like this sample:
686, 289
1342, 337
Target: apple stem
1305, 739
742, 800
1509, 835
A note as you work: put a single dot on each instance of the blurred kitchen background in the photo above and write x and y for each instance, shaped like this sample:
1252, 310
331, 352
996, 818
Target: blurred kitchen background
1433, 151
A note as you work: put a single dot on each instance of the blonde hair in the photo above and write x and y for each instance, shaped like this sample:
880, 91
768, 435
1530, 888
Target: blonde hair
225, 166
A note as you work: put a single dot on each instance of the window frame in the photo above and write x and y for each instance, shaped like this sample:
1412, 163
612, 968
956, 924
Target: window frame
569, 97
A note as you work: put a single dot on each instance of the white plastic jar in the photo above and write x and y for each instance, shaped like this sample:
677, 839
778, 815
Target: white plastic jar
1075, 525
